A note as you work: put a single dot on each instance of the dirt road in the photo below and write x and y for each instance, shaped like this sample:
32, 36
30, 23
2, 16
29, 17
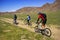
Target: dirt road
55, 31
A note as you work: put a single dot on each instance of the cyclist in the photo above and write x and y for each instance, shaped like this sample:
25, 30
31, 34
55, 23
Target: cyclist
15, 18
28, 19
43, 18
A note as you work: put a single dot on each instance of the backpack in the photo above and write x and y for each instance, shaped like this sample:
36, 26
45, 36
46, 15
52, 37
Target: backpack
29, 18
15, 17
44, 15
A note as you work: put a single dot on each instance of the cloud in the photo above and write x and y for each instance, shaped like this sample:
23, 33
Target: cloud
12, 11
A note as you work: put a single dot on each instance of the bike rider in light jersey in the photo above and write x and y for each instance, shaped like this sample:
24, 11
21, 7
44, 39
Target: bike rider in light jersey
28, 19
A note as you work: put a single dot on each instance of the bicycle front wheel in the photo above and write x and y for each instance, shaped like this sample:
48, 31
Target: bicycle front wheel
47, 32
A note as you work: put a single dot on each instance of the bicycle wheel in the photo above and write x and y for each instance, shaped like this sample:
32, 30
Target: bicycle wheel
47, 32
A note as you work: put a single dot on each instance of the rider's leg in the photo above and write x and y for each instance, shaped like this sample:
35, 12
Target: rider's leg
27, 21
43, 26
15, 21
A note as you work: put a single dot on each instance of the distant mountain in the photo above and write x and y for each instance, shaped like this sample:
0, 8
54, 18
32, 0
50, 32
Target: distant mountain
52, 7
56, 5
47, 7
29, 9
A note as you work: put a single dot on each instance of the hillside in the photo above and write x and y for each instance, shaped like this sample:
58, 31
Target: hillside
29, 9
46, 7
56, 5
10, 31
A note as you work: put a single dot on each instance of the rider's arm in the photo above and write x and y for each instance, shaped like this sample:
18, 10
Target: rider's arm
37, 20
39, 16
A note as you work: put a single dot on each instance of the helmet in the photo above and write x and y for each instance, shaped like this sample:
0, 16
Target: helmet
27, 15
39, 13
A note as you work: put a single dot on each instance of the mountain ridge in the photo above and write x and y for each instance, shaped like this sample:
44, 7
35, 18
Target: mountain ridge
46, 7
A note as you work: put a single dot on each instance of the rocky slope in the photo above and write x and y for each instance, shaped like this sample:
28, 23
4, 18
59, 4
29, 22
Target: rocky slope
51, 7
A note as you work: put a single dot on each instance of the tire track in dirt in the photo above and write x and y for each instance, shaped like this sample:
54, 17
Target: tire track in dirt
21, 24
55, 31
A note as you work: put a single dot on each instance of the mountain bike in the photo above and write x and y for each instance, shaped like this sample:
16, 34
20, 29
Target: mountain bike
46, 31
15, 22
26, 23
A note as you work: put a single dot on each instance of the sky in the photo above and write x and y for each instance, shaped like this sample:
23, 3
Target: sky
13, 5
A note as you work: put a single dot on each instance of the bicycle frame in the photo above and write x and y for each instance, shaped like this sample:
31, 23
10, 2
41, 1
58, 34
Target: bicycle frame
39, 25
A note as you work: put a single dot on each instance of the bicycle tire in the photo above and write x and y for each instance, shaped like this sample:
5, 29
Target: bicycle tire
47, 30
